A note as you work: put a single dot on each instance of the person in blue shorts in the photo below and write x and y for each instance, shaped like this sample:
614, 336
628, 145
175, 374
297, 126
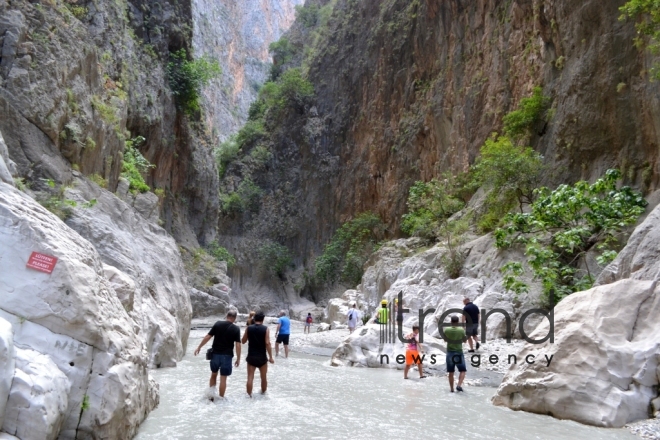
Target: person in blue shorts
226, 335
282, 334
455, 337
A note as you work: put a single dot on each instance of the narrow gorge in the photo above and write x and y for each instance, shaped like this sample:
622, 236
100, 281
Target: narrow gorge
165, 162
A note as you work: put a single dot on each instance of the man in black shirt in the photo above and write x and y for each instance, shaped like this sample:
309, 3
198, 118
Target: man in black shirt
225, 336
472, 326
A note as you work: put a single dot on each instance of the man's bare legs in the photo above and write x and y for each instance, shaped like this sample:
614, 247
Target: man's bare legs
213, 380
277, 349
223, 385
286, 351
461, 377
263, 373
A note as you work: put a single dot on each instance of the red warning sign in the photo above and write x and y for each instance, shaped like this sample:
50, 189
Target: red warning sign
44, 263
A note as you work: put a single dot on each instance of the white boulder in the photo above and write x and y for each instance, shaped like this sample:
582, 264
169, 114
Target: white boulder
38, 399
6, 364
605, 367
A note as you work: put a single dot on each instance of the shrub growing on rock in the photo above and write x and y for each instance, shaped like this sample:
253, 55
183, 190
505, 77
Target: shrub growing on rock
520, 122
563, 226
221, 254
274, 258
649, 25
187, 77
134, 165
344, 257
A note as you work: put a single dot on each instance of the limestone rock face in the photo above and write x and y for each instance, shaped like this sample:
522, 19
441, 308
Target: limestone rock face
81, 347
204, 304
157, 301
605, 363
640, 258
39, 397
6, 364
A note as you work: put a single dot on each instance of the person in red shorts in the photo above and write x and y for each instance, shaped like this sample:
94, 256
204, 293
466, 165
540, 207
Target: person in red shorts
413, 351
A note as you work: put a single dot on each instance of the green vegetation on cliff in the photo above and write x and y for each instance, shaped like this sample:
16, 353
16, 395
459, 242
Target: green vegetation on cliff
344, 257
563, 226
186, 78
648, 11
134, 165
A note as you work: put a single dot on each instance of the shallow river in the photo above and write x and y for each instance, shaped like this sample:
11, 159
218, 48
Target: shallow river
308, 399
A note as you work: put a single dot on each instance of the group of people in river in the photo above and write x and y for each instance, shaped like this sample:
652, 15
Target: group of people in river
226, 337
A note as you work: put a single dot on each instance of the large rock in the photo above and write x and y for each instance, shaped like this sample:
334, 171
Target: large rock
89, 349
204, 305
365, 348
337, 308
640, 258
605, 367
38, 401
142, 251
6, 364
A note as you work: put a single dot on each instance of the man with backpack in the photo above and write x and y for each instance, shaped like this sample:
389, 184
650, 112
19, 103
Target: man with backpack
308, 323
353, 315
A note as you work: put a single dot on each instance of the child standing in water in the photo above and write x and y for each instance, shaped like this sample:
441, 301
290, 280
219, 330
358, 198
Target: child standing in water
413, 353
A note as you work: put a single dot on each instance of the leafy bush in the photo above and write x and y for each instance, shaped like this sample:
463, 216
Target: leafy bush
186, 78
649, 25
135, 165
245, 198
518, 123
282, 52
225, 153
221, 254
307, 15
344, 257
99, 180
251, 132
275, 258
261, 155
290, 90
107, 111
429, 205
510, 173
563, 226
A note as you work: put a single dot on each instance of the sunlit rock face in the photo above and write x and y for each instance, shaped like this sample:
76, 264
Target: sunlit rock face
237, 34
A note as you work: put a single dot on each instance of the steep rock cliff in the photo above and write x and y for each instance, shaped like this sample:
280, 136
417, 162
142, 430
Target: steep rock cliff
237, 34
406, 90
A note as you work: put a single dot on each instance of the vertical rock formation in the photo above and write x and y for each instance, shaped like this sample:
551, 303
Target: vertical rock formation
238, 35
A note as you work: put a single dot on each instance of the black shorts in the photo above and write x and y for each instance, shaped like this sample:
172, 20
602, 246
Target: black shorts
471, 330
256, 361
282, 338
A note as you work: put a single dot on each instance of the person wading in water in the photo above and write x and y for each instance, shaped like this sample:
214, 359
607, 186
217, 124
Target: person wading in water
225, 335
258, 337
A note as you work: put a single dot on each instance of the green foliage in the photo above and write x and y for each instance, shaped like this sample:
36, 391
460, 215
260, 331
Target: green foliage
90, 144
510, 173
275, 258
251, 132
649, 25
564, 225
107, 111
282, 52
85, 403
79, 12
245, 198
99, 180
307, 15
221, 254
520, 122
344, 257
225, 153
186, 78
290, 90
429, 205
260, 155
135, 165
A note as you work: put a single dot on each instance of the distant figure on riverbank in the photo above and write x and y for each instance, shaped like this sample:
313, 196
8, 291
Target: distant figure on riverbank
471, 328
225, 336
413, 353
257, 336
308, 323
250, 319
282, 333
382, 314
455, 337
352, 316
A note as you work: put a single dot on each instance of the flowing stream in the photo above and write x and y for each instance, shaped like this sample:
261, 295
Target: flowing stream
308, 399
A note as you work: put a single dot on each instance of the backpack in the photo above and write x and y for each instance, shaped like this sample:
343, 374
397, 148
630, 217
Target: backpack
309, 319
350, 315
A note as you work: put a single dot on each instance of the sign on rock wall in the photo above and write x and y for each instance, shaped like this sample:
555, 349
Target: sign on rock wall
41, 262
